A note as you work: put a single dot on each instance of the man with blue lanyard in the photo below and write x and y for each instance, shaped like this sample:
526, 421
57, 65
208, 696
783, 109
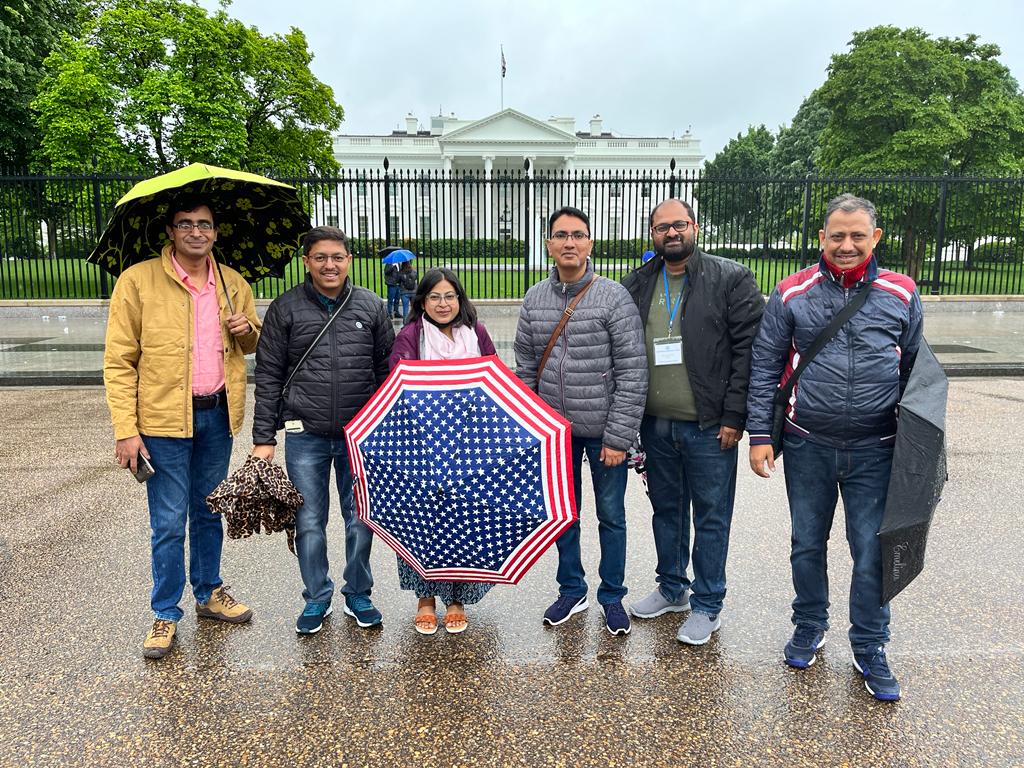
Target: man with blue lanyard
701, 314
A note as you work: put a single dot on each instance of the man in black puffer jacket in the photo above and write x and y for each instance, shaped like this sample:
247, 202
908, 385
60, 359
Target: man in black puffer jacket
344, 367
700, 314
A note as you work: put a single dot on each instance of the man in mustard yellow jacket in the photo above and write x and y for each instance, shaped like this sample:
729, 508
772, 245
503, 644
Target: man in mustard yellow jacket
174, 370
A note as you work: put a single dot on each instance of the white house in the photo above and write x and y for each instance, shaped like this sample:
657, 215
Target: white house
465, 178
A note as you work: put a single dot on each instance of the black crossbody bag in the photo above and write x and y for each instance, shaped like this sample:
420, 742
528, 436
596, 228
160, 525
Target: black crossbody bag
783, 393
284, 389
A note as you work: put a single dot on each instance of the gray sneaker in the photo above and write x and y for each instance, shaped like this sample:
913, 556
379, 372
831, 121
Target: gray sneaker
697, 628
655, 605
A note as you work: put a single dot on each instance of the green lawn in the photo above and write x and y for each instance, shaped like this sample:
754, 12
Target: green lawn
494, 278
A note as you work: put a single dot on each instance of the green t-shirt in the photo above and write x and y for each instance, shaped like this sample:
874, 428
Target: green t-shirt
668, 392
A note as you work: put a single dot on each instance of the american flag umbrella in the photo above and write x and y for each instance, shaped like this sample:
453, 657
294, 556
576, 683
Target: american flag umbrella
462, 470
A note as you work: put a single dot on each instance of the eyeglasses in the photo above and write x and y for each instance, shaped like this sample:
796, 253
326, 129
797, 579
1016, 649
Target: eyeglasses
322, 258
437, 298
188, 226
561, 235
678, 226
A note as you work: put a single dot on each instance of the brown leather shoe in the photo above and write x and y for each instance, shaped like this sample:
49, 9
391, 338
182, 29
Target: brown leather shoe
224, 607
159, 640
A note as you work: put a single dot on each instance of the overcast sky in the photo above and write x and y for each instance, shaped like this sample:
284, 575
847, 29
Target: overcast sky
649, 68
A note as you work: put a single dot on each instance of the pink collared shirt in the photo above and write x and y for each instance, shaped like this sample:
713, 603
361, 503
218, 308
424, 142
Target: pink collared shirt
207, 337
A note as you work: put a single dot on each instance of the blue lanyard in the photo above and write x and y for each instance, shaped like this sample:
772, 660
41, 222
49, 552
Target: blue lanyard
668, 298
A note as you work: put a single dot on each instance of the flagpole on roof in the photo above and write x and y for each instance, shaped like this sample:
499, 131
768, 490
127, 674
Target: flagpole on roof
503, 78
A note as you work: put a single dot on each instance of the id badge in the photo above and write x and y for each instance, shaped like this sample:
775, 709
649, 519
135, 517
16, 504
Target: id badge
294, 426
668, 351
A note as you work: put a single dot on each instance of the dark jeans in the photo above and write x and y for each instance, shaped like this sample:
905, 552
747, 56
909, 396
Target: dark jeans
187, 471
610, 497
394, 300
815, 476
309, 459
686, 467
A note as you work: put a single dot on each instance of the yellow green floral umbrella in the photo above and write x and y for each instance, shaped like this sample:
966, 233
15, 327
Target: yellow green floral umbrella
260, 222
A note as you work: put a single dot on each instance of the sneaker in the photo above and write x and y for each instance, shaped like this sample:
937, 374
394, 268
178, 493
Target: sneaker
805, 641
224, 607
564, 607
697, 628
312, 618
615, 619
655, 604
361, 609
159, 640
878, 678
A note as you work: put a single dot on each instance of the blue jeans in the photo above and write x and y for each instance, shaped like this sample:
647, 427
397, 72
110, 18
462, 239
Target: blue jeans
394, 296
610, 496
309, 459
815, 476
406, 298
187, 470
686, 467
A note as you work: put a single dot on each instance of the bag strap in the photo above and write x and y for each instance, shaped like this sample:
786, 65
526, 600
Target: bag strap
784, 392
569, 310
284, 389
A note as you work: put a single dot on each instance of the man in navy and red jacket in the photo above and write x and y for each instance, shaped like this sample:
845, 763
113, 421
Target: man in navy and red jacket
840, 425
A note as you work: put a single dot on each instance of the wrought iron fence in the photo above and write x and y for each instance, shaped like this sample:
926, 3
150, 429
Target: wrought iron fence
953, 234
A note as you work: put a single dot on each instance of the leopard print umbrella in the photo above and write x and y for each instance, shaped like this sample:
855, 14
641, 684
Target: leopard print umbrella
258, 496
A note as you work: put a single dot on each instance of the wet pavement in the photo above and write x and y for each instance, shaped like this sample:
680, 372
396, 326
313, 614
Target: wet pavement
62, 344
75, 690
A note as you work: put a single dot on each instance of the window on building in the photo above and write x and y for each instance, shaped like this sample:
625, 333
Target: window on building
425, 226
615, 190
332, 220
361, 188
364, 226
645, 190
424, 187
470, 225
586, 190
614, 228
393, 224
392, 188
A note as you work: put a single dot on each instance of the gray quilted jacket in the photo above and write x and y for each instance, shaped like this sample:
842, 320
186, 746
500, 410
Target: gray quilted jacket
596, 375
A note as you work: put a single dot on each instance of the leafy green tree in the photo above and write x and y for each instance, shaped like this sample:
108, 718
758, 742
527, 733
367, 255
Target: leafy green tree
798, 146
900, 101
730, 204
28, 29
156, 84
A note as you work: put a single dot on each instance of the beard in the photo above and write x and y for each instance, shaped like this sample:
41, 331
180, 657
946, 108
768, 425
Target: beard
675, 255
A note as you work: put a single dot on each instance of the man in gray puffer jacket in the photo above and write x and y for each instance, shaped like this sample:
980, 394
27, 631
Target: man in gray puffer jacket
595, 376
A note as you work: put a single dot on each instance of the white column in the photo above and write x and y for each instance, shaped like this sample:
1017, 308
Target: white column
488, 203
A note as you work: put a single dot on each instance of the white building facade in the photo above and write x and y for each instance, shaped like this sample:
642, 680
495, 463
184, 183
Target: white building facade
500, 176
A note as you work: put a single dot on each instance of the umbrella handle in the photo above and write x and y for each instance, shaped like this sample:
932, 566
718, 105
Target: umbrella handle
224, 285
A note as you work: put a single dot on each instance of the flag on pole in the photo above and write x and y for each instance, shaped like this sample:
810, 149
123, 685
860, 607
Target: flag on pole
503, 61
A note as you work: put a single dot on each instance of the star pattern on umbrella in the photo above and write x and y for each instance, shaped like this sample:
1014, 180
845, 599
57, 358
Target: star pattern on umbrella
454, 477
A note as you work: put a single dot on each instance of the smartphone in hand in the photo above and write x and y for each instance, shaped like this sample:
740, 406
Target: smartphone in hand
144, 470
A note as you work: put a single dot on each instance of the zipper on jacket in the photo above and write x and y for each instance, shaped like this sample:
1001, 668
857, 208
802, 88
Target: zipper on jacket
565, 352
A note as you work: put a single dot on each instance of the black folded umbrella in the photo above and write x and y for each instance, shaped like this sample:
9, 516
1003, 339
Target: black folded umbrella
918, 473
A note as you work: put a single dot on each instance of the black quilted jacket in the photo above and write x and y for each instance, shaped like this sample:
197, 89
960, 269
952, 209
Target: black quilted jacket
343, 370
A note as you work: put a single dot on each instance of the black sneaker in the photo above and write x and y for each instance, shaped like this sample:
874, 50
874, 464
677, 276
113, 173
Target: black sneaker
616, 620
361, 609
563, 608
312, 618
878, 678
800, 649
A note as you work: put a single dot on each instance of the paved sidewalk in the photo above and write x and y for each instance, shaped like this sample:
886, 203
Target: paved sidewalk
75, 690
62, 344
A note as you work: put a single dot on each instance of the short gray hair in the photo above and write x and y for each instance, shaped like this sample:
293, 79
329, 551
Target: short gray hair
848, 203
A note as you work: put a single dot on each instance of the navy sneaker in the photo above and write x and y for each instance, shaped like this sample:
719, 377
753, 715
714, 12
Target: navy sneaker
361, 609
563, 608
878, 678
615, 619
312, 619
800, 649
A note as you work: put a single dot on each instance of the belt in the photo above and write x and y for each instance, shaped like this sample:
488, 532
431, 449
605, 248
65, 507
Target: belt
207, 402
